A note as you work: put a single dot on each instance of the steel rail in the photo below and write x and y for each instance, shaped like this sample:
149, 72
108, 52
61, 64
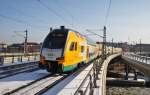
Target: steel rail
24, 86
7, 71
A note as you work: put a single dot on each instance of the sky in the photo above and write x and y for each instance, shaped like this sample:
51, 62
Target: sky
128, 20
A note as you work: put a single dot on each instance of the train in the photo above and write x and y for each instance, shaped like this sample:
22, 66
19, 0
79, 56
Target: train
64, 50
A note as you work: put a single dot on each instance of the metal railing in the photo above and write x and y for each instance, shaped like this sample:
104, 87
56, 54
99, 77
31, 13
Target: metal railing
96, 74
89, 83
143, 59
18, 58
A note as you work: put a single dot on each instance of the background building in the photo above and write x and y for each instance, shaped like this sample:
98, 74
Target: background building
19, 47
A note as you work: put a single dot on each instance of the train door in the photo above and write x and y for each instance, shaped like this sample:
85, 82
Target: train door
87, 54
71, 55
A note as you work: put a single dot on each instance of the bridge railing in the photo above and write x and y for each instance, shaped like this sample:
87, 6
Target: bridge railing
95, 80
143, 59
5, 59
89, 83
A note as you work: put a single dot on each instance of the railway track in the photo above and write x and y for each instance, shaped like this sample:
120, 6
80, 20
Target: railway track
37, 85
7, 71
41, 85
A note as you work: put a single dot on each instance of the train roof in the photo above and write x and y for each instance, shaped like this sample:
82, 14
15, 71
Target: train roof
89, 41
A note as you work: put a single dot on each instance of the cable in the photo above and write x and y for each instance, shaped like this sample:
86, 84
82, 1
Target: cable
51, 10
26, 15
18, 21
93, 33
16, 32
12, 19
66, 10
107, 12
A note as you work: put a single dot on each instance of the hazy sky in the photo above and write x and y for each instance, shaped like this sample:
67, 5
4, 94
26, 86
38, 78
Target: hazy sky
129, 20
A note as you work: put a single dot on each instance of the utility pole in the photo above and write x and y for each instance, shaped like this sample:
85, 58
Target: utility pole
104, 43
25, 42
25, 39
51, 29
104, 53
140, 47
112, 45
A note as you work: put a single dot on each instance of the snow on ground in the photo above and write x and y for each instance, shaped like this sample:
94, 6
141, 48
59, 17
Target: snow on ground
16, 59
8, 60
70, 84
35, 88
13, 82
9, 64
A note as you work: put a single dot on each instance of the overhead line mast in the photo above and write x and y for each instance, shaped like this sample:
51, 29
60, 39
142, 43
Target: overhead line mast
25, 42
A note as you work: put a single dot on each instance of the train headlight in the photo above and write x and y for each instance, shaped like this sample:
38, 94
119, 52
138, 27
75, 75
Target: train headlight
42, 59
60, 58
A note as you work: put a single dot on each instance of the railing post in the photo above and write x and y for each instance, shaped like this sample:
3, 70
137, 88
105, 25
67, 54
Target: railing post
146, 59
95, 75
142, 59
34, 57
81, 92
91, 86
13, 59
28, 58
2, 60
18, 59
21, 58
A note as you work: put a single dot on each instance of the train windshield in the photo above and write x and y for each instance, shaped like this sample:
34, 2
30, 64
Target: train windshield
56, 40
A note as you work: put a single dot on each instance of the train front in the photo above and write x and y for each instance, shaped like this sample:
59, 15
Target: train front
52, 51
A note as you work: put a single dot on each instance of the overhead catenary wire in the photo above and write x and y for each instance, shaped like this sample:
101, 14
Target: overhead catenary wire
69, 14
26, 15
53, 11
107, 13
19, 21
18, 34
105, 20
94, 33
67, 11
12, 19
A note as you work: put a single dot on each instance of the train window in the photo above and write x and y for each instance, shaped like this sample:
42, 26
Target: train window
72, 46
82, 48
55, 40
58, 35
75, 45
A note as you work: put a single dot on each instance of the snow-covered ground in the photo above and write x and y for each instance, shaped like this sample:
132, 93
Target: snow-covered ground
2, 54
11, 58
16, 81
8, 60
16, 63
70, 84
66, 87
38, 86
